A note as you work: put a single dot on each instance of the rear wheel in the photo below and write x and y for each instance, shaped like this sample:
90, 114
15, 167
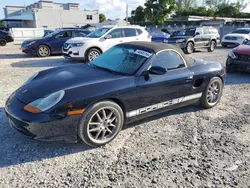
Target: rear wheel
3, 42
189, 48
92, 54
212, 94
43, 51
212, 46
101, 123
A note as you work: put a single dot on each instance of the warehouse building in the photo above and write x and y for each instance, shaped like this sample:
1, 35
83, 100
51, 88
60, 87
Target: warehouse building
48, 14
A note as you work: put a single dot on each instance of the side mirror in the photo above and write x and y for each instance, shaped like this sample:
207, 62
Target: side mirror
197, 33
157, 70
108, 37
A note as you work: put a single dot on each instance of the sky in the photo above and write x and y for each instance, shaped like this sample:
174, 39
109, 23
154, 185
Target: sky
111, 8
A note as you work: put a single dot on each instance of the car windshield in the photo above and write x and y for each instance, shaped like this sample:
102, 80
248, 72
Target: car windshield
122, 59
186, 32
241, 31
51, 34
98, 33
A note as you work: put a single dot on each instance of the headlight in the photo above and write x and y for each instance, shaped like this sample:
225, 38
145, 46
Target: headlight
180, 40
31, 78
232, 55
77, 44
43, 104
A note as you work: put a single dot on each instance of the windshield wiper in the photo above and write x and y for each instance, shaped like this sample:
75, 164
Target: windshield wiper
103, 68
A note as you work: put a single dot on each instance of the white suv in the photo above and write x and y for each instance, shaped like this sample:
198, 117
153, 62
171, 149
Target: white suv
90, 47
237, 37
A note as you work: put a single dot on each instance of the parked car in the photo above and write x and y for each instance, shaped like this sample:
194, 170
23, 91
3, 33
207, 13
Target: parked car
5, 37
51, 43
237, 37
159, 36
90, 47
196, 38
93, 101
239, 59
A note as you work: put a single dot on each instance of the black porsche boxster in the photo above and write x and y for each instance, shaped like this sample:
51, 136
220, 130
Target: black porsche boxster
91, 102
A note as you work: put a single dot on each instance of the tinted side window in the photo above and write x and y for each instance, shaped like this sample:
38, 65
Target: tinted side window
65, 34
130, 32
206, 31
199, 30
138, 31
80, 34
213, 31
169, 60
117, 33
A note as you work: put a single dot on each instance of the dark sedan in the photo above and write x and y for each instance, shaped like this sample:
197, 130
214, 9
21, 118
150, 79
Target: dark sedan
51, 43
239, 59
5, 37
128, 82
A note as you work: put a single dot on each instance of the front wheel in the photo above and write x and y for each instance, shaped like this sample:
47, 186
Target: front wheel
212, 94
3, 42
43, 51
101, 123
189, 48
92, 54
212, 46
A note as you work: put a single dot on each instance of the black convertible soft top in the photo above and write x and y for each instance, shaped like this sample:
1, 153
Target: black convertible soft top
157, 47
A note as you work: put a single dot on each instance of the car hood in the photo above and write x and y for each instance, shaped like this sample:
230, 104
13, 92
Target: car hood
34, 39
242, 49
81, 39
179, 37
63, 78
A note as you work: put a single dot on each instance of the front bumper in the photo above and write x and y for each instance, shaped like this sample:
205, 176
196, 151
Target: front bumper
29, 50
43, 126
237, 65
10, 39
72, 53
232, 42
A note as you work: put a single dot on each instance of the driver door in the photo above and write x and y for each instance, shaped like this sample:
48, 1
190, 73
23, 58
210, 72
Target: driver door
165, 89
199, 38
58, 41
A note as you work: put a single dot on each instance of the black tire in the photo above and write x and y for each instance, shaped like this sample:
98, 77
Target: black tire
85, 128
205, 103
43, 51
212, 46
3, 42
189, 48
92, 54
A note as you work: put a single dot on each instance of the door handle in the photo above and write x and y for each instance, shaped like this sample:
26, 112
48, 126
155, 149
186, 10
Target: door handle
190, 77
121, 41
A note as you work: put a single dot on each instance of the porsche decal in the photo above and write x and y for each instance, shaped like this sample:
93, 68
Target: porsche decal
163, 105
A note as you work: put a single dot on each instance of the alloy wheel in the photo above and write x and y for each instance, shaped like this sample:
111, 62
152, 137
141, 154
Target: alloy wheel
103, 125
43, 51
93, 55
213, 93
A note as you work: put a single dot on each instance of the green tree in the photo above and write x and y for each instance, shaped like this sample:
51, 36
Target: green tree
157, 11
138, 15
102, 18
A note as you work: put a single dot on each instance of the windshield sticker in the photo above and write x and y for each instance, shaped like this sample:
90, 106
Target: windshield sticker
143, 53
